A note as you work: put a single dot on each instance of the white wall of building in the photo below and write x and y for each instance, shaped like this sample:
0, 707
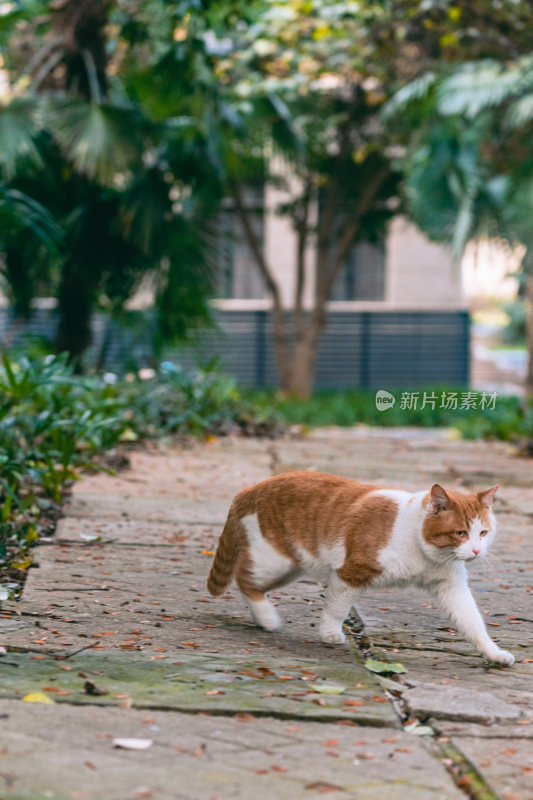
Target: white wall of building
486, 267
419, 273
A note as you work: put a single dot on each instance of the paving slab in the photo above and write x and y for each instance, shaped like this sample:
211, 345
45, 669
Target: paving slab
215, 684
456, 703
123, 581
206, 758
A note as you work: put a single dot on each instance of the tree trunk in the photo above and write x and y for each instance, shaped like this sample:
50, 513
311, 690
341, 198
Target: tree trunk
295, 350
301, 374
75, 306
529, 301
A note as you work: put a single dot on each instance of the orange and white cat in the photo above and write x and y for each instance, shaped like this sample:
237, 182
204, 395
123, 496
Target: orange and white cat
352, 536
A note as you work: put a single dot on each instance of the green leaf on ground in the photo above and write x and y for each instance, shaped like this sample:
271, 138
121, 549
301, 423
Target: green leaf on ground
384, 667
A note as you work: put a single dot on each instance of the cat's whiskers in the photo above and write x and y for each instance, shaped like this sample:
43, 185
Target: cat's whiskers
491, 557
449, 558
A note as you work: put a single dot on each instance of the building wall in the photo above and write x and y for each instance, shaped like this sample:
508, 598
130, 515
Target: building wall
420, 273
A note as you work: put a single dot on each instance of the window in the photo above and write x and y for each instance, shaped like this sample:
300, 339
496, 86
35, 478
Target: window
363, 275
238, 276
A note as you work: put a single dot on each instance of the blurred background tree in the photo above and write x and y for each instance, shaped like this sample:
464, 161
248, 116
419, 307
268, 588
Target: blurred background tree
114, 193
127, 123
469, 158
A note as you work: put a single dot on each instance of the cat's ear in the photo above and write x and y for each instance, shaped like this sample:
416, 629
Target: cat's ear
439, 499
486, 497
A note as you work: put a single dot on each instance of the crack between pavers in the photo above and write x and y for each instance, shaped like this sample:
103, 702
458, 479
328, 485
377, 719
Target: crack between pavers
230, 712
461, 770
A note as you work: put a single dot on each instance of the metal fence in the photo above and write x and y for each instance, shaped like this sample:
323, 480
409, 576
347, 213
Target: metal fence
359, 349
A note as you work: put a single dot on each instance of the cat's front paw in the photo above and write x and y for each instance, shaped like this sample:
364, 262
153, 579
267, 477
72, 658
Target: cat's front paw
502, 657
332, 637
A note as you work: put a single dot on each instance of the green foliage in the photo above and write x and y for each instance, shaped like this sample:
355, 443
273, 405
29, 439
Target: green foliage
54, 424
468, 130
512, 418
515, 330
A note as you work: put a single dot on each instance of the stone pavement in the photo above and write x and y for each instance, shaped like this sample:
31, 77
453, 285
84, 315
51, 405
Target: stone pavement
116, 628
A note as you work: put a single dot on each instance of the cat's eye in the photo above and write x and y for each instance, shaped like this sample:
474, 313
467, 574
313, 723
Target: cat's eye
483, 533
462, 534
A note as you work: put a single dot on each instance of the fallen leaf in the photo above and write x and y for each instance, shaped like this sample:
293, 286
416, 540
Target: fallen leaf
190, 644
424, 730
56, 690
330, 743
38, 697
384, 667
327, 688
378, 699
277, 768
353, 703
214, 691
323, 788
208, 552
89, 764
133, 744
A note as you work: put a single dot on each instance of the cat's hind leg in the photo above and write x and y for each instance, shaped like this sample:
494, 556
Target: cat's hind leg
340, 597
263, 611
262, 567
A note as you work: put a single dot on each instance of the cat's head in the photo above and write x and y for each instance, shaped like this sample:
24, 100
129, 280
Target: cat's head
458, 525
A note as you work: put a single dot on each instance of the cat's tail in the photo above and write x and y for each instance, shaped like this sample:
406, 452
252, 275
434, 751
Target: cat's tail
228, 548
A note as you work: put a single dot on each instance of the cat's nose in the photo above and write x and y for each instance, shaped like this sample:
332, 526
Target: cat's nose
476, 551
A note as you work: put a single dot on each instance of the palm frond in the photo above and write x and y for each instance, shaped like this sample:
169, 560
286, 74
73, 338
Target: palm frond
20, 212
519, 113
18, 129
415, 90
99, 139
477, 86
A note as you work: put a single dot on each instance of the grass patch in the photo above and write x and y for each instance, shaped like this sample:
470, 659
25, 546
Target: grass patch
511, 418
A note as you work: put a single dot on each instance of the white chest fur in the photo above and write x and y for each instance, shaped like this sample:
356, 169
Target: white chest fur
403, 560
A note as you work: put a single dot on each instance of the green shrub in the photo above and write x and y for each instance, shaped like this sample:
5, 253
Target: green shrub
54, 423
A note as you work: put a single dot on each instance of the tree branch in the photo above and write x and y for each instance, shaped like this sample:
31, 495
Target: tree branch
351, 230
281, 341
255, 247
302, 231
